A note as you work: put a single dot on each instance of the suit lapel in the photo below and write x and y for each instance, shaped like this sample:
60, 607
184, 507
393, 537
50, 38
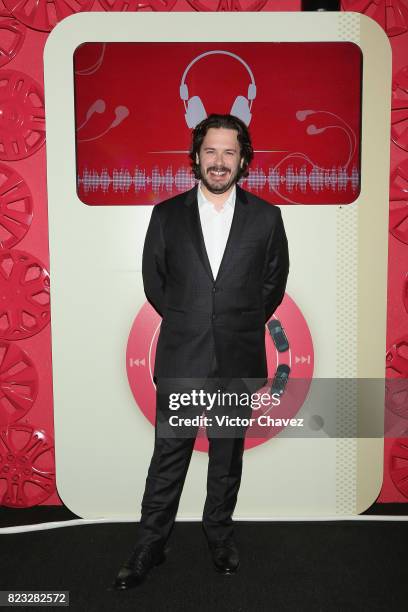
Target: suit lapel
237, 227
196, 233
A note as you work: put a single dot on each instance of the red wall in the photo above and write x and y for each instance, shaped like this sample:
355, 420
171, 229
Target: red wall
26, 404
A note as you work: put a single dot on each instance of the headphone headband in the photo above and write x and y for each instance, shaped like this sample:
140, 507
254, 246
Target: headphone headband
217, 52
194, 107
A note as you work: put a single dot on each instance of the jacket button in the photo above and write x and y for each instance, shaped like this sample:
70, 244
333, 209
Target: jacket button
213, 317
214, 289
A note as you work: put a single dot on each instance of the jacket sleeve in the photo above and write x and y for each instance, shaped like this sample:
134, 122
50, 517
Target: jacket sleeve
154, 263
276, 268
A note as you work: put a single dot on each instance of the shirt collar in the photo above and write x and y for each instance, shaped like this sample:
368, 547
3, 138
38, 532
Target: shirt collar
202, 200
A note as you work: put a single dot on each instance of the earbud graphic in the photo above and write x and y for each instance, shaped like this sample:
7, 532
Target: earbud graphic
99, 106
121, 112
340, 124
313, 130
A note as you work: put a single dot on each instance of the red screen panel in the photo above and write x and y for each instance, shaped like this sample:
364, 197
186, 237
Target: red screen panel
136, 104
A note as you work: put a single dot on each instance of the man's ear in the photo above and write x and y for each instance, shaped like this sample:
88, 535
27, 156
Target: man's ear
197, 159
242, 162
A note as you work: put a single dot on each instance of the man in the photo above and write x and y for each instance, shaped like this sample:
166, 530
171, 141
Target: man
215, 265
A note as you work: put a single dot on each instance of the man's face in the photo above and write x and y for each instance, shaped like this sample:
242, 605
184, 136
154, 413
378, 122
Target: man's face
219, 159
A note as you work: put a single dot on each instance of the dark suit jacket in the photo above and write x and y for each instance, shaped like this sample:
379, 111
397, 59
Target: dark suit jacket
202, 314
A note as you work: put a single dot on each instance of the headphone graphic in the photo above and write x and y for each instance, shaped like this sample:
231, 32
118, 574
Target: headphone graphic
195, 111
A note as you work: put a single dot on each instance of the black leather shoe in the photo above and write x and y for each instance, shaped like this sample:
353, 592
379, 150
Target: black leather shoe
225, 555
135, 569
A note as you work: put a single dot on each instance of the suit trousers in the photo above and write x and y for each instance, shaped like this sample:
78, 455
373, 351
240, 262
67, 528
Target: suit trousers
167, 472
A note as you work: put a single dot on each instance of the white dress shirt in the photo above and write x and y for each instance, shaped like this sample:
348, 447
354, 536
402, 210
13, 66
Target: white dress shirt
216, 226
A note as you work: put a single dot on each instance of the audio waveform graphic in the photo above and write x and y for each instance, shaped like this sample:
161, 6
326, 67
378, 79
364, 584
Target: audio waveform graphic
301, 179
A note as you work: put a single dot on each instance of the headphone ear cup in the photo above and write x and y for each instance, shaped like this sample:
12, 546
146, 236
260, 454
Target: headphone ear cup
195, 112
252, 91
240, 109
184, 92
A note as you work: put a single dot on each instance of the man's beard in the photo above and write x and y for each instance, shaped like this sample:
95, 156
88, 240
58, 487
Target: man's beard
214, 186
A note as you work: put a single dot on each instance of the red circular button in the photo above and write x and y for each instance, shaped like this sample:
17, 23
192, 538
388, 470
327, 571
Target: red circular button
136, 5
398, 465
227, 5
298, 358
16, 207
18, 383
13, 33
22, 115
24, 295
45, 14
27, 466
